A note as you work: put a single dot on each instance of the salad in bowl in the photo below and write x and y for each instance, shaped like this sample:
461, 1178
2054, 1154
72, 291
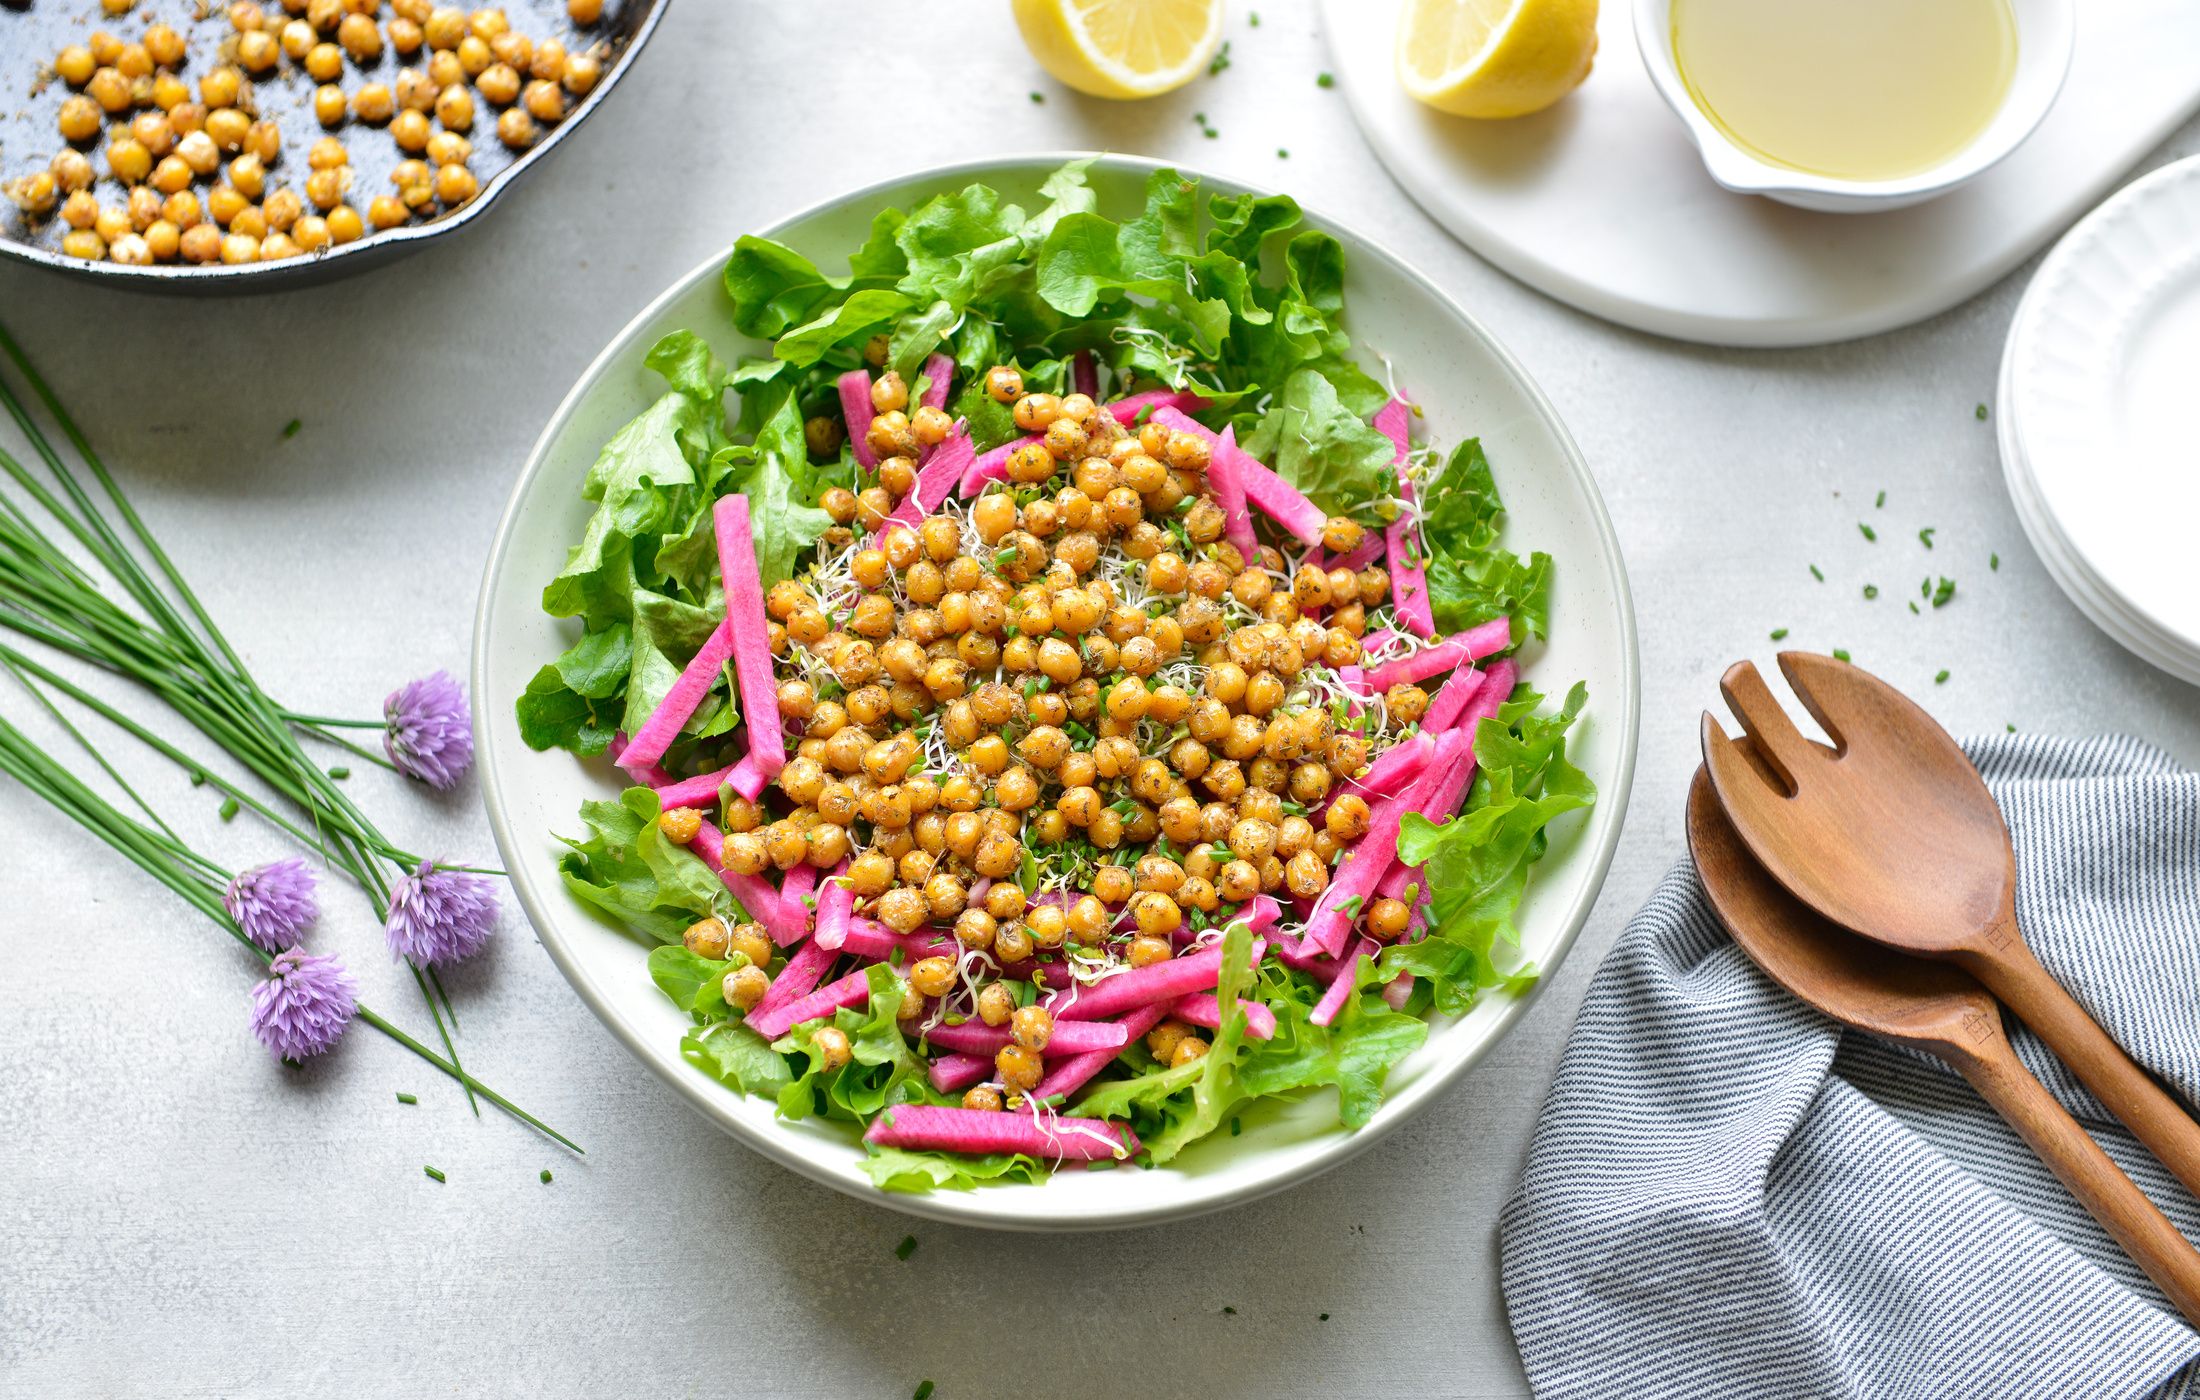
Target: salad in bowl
1060, 701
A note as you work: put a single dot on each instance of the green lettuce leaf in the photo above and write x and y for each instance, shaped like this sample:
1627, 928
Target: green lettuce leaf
1175, 1107
625, 868
1324, 448
1476, 864
692, 981
775, 474
1354, 1052
553, 715
883, 1069
737, 1057
899, 1169
1470, 578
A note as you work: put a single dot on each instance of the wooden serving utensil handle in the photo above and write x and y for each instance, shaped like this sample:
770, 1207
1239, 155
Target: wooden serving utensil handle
2098, 1184
2011, 972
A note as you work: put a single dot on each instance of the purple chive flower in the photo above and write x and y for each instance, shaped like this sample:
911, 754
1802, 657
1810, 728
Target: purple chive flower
429, 732
303, 1006
273, 903
438, 917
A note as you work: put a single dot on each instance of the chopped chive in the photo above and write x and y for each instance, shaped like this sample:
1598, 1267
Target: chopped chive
546, 1176
228, 808
1993, 561
339, 772
924, 1391
1943, 591
1840, 654
1779, 634
1925, 536
1325, 80
1814, 573
1237, 1126
1913, 609
1253, 19
1325, 1317
1979, 413
1282, 154
1869, 532
1038, 97
907, 1247
1881, 503
1871, 590
290, 429
435, 1172
2010, 727
408, 1098
1228, 1311
1220, 61
1941, 679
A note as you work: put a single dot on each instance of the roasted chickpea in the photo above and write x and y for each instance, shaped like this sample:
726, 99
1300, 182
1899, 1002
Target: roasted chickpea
582, 72
1032, 1027
744, 987
75, 64
707, 938
996, 1004
1388, 919
1305, 875
516, 129
1047, 924
1405, 703
830, 1045
1347, 817
1018, 1068
1035, 412
1186, 451
1188, 1050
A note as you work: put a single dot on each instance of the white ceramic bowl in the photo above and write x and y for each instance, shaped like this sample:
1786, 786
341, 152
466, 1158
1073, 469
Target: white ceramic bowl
2044, 41
1468, 385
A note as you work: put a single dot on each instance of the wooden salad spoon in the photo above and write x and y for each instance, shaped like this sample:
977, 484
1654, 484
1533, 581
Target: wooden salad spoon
1941, 1010
1892, 834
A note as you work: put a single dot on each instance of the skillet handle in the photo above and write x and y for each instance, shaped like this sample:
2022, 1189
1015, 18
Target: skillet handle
2099, 1185
2007, 966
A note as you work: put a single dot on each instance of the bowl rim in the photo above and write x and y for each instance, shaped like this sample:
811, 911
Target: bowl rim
969, 1207
175, 276
1736, 168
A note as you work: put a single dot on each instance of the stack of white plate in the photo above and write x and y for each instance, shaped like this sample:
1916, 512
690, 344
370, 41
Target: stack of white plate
2100, 417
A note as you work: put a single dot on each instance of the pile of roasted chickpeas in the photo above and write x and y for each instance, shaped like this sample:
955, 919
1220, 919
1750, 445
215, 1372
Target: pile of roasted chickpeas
202, 168
1076, 665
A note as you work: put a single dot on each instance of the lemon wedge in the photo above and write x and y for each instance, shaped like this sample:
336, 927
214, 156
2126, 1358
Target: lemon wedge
1121, 48
1495, 58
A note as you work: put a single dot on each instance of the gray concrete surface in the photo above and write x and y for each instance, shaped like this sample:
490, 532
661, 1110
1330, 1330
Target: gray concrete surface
180, 1217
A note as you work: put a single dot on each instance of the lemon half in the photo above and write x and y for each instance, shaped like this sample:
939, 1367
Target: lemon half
1121, 48
1495, 58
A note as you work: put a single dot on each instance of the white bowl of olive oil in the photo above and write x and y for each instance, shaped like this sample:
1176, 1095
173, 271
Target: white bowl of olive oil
1853, 106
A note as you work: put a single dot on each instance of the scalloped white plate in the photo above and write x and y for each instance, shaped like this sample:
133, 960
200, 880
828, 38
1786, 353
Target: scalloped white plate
2122, 625
2098, 382
1395, 312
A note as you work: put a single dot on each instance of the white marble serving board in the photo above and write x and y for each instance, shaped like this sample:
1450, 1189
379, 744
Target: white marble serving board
1602, 203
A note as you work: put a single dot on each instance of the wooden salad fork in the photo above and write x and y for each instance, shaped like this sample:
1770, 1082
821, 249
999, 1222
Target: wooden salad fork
1941, 1010
1892, 834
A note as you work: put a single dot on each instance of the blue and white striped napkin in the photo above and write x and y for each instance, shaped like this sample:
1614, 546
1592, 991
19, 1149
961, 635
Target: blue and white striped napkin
1729, 1195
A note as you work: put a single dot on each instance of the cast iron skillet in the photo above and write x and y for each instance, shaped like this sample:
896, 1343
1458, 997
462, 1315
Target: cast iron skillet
33, 31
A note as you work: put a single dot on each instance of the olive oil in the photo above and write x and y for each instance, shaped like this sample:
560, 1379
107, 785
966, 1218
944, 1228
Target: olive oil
1853, 89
